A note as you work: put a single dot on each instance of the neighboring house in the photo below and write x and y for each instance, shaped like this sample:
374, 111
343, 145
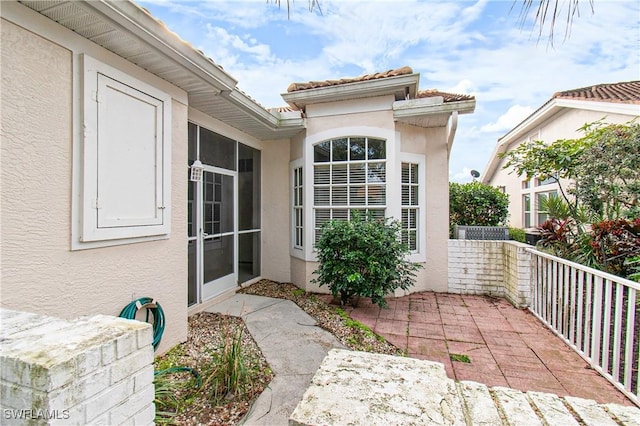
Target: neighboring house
560, 117
133, 166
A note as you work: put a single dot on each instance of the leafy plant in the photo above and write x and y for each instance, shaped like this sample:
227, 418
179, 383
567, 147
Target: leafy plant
477, 204
614, 241
228, 375
517, 234
603, 166
633, 264
460, 358
363, 257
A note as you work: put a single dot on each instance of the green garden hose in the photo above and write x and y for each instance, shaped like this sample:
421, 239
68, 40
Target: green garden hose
129, 312
193, 372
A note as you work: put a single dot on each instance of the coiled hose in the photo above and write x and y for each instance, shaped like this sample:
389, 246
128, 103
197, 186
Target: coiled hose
193, 372
129, 312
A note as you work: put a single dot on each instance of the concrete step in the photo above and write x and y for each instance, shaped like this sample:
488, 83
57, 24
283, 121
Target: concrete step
359, 388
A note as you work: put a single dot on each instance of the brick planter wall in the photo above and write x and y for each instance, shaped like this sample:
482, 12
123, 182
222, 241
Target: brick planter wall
494, 268
91, 370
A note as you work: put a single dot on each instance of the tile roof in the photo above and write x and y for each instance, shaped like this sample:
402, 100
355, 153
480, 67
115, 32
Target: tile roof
448, 97
627, 92
294, 87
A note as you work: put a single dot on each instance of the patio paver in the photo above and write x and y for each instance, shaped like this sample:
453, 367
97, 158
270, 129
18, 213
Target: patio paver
506, 346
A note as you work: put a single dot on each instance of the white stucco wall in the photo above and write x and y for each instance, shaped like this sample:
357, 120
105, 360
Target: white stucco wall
276, 262
432, 143
374, 117
40, 272
564, 125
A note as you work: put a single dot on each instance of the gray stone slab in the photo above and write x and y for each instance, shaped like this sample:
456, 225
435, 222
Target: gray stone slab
360, 388
552, 409
628, 416
515, 407
480, 409
293, 345
277, 402
590, 412
240, 305
289, 339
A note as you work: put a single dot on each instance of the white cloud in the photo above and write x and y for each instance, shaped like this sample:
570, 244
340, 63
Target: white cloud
462, 47
509, 119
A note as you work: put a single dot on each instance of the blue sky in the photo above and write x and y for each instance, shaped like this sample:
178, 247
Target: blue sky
472, 47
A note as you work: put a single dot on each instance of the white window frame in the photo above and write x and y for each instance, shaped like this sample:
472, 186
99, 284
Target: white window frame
90, 232
348, 206
419, 255
388, 135
295, 249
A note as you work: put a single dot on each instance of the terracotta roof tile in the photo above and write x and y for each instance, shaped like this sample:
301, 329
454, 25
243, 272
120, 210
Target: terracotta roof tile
294, 87
627, 92
283, 109
448, 97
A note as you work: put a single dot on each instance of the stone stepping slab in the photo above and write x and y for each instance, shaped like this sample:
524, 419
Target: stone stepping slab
360, 388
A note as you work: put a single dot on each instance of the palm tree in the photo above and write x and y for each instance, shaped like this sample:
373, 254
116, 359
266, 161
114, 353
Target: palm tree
550, 10
546, 10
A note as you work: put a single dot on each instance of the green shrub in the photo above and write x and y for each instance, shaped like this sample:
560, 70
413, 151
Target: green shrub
517, 234
476, 204
363, 257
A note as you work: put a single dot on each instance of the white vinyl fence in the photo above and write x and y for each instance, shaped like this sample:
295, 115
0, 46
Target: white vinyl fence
596, 313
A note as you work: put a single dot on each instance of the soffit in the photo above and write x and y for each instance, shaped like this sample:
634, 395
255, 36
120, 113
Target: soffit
132, 33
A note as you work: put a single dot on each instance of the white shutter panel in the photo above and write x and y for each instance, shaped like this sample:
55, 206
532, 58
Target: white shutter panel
129, 156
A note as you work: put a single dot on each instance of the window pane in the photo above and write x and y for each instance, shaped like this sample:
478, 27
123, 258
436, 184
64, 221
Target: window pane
405, 195
218, 257
414, 196
321, 196
217, 150
405, 173
357, 195
339, 175
413, 218
191, 273
248, 256
191, 207
340, 150
321, 152
357, 149
414, 173
248, 188
339, 196
376, 213
376, 172
376, 149
340, 214
376, 195
357, 173
192, 137
321, 175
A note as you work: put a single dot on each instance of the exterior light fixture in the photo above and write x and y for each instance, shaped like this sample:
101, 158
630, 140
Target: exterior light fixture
196, 171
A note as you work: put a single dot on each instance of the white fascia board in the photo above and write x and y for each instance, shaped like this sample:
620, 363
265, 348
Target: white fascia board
554, 106
248, 105
271, 120
430, 106
492, 165
359, 89
606, 107
133, 19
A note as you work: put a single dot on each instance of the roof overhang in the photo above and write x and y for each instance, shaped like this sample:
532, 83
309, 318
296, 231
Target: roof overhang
550, 109
430, 112
132, 33
401, 86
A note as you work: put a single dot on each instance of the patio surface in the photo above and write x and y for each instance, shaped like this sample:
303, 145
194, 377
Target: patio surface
506, 346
